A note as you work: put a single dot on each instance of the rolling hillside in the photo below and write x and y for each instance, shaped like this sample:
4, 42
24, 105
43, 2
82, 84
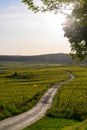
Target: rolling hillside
39, 59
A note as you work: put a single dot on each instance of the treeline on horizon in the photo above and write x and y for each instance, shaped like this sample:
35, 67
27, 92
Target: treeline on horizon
59, 58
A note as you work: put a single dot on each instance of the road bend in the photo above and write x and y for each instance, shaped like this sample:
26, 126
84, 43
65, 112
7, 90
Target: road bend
25, 119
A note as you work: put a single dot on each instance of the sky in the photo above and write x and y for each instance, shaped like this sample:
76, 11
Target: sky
24, 33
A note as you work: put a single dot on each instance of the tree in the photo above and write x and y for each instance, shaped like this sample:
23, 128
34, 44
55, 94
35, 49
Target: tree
76, 30
76, 24
49, 5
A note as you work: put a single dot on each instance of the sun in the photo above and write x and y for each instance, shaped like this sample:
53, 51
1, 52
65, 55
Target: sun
61, 19
58, 19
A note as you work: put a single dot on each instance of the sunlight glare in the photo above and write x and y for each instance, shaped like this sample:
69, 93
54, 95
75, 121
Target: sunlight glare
61, 19
57, 19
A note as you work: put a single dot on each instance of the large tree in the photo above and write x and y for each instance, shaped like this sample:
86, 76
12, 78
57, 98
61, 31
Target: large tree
76, 30
75, 27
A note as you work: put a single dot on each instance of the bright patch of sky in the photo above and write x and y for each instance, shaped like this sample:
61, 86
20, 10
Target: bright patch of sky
25, 33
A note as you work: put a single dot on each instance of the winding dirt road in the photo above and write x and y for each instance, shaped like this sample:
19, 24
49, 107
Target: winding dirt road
37, 112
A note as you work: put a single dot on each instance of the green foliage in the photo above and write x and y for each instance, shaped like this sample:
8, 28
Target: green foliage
80, 126
71, 99
76, 29
50, 5
20, 94
47, 123
70, 102
21, 91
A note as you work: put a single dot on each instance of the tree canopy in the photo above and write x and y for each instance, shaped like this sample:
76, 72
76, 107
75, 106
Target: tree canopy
49, 5
75, 27
75, 30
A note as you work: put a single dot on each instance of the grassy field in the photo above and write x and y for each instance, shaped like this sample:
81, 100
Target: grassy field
22, 85
80, 126
70, 105
71, 99
48, 123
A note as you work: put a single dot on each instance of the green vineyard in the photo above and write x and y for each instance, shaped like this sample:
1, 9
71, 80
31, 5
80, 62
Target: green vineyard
22, 85
71, 99
69, 109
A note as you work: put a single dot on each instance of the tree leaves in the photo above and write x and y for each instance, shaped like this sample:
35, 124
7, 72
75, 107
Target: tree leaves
76, 31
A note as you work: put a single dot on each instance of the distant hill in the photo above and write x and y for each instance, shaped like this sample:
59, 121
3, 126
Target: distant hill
59, 58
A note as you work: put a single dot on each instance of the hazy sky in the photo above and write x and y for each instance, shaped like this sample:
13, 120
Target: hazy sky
25, 33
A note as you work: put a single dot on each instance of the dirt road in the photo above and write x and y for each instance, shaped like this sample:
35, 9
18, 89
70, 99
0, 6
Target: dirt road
38, 111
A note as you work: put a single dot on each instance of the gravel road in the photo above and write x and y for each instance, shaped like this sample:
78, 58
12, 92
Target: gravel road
37, 112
